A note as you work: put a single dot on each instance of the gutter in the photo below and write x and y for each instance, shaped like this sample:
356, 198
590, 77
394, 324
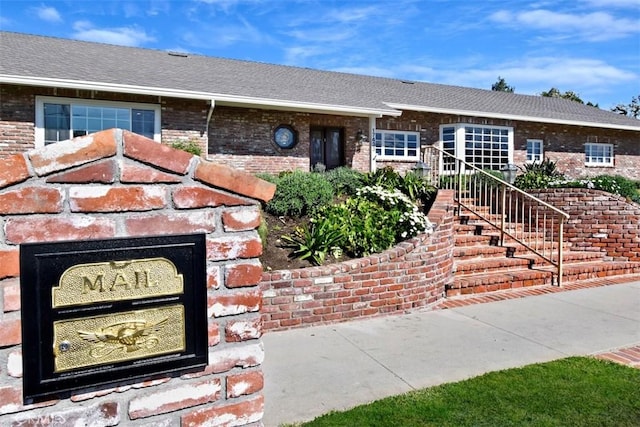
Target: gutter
511, 117
220, 99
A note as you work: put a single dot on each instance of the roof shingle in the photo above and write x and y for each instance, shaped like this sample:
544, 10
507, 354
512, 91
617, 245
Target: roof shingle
72, 61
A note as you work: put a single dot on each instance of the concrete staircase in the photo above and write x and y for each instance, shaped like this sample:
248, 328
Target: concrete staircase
481, 266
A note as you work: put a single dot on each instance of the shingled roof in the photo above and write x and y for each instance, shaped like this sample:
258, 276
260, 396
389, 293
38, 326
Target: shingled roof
48, 61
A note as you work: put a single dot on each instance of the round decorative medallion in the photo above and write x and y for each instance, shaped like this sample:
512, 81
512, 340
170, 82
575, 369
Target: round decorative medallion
285, 136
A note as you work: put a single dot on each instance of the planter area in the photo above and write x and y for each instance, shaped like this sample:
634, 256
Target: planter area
411, 275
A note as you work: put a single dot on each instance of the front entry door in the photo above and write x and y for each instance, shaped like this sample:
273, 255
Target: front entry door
327, 147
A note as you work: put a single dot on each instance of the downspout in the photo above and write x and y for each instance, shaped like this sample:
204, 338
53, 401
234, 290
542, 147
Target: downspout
372, 139
206, 129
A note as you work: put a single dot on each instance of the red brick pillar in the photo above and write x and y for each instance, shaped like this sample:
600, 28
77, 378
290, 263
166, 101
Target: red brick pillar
118, 184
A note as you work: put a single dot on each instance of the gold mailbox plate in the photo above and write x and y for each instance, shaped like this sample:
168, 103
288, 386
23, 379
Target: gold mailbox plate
118, 337
85, 284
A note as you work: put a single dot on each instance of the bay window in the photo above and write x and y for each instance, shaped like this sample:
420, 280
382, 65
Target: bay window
485, 147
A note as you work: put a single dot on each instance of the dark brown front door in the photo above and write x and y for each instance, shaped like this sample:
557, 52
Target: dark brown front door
327, 147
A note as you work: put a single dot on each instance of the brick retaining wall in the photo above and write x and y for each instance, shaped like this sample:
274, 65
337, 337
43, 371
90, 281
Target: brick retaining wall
411, 275
599, 221
118, 184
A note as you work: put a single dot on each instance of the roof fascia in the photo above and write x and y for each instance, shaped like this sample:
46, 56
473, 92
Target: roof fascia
510, 117
220, 99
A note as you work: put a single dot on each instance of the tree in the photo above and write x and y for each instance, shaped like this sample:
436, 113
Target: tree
631, 109
554, 92
502, 86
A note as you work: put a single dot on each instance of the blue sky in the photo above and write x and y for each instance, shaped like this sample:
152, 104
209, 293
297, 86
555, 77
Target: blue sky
591, 47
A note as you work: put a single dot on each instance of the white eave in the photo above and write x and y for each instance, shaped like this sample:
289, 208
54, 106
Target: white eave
219, 99
421, 108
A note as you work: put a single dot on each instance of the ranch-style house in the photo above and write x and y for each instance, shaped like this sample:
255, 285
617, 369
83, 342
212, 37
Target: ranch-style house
267, 118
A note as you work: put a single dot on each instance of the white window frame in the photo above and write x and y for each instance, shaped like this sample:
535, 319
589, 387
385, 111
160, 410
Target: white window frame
531, 156
41, 100
406, 157
591, 160
460, 140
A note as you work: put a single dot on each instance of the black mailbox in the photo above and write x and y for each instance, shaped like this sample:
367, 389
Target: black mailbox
99, 313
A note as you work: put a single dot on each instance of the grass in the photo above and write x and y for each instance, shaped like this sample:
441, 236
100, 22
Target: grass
577, 391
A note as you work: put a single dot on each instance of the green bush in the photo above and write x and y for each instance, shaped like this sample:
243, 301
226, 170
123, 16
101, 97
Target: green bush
416, 188
367, 226
539, 176
190, 146
612, 184
300, 193
345, 181
385, 177
370, 222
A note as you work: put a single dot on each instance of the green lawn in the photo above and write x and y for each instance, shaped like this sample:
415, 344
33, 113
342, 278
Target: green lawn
576, 391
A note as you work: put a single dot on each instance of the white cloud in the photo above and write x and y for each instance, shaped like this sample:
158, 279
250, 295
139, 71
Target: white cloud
208, 35
592, 79
633, 4
595, 26
124, 36
47, 13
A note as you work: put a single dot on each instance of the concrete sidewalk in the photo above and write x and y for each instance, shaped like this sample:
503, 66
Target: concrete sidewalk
311, 371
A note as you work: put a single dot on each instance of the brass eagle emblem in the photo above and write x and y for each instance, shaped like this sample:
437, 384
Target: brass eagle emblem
126, 336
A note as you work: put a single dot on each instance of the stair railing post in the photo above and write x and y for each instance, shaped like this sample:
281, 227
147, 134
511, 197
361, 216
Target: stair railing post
501, 212
560, 250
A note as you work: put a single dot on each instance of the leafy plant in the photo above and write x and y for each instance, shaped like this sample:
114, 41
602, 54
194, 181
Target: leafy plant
416, 188
190, 146
345, 180
385, 177
299, 193
538, 175
315, 241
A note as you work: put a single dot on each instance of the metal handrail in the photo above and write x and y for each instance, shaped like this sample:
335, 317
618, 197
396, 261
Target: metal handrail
519, 216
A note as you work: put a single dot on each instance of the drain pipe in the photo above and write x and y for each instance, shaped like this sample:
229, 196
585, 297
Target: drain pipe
206, 129
372, 139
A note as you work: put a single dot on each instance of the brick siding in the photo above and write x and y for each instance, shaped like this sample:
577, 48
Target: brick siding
75, 190
411, 275
242, 137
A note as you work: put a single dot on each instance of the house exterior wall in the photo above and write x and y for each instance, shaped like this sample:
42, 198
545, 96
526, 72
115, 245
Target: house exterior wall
562, 144
182, 120
118, 184
242, 137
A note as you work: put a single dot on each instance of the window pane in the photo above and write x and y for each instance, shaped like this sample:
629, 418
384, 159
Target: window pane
57, 119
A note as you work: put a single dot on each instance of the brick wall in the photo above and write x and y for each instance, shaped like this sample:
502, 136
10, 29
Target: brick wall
599, 221
118, 184
242, 137
411, 275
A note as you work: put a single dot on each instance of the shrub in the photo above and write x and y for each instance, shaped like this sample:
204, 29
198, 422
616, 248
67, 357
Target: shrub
300, 193
384, 177
190, 146
416, 188
539, 175
372, 221
345, 181
367, 226
612, 184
